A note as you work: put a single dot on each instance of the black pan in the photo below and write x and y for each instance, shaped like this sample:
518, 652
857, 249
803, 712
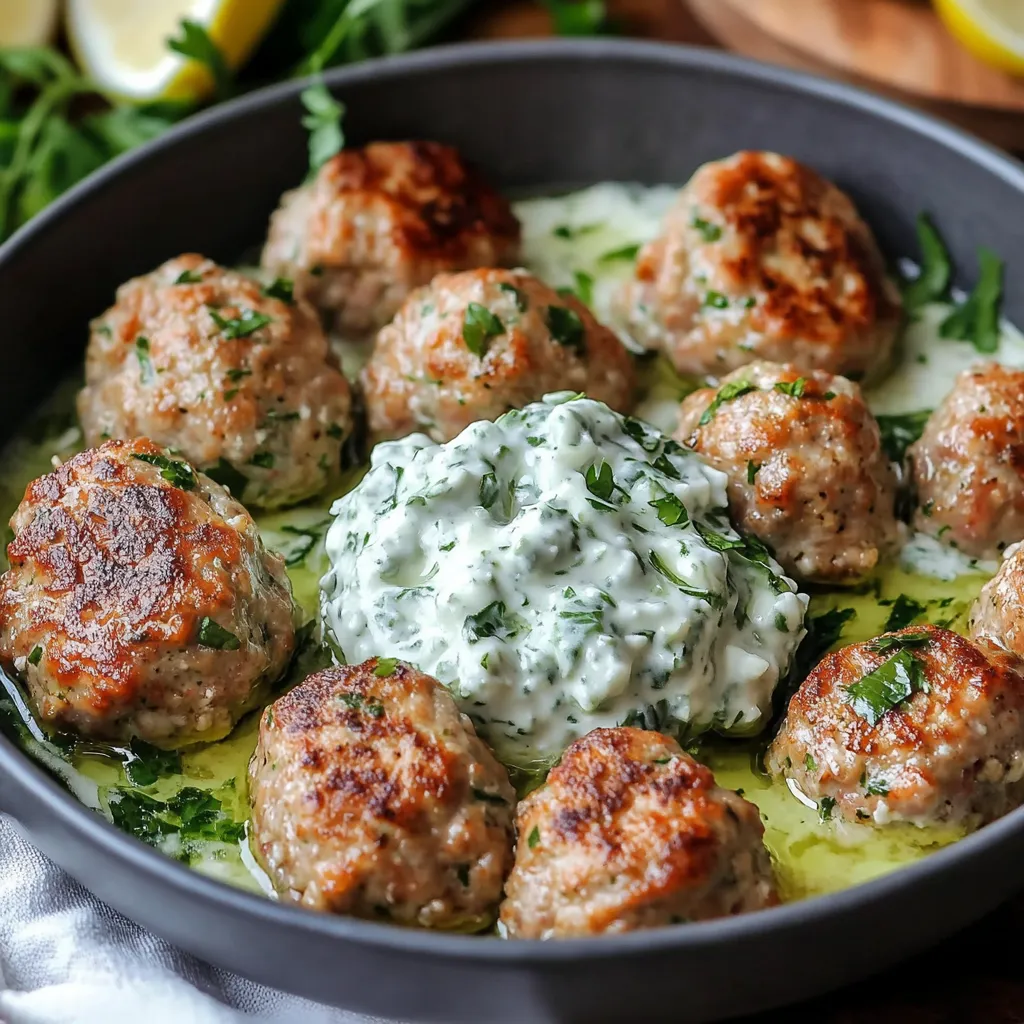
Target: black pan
533, 114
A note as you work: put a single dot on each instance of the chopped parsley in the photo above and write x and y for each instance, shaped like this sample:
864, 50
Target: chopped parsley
901, 641
584, 287
180, 474
493, 621
823, 633
309, 536
752, 468
265, 460
726, 393
517, 294
385, 667
623, 255
900, 431
809, 763
146, 372
282, 288
35, 655
568, 233
188, 277
216, 637
708, 231
826, 805
247, 323
658, 564
478, 327
877, 787
323, 118
192, 814
147, 763
227, 476
671, 511
904, 611
565, 326
886, 687
715, 300
534, 837
795, 389
600, 481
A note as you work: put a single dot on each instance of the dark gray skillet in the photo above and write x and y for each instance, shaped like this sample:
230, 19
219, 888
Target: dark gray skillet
532, 114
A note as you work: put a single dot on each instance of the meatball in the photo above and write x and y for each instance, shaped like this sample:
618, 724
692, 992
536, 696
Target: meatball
921, 725
629, 832
807, 471
761, 258
471, 346
968, 466
140, 600
237, 378
377, 222
998, 613
373, 796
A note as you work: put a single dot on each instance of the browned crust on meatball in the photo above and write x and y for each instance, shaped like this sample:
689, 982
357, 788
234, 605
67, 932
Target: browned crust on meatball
807, 475
373, 796
968, 465
379, 221
998, 613
629, 832
799, 269
272, 402
952, 752
112, 571
423, 376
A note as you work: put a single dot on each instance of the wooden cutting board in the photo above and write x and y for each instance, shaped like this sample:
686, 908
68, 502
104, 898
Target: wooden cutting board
897, 46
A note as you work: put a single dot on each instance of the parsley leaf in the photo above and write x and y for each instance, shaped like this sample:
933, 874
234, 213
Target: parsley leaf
180, 474
517, 294
196, 44
584, 287
886, 687
658, 563
247, 323
795, 389
565, 326
726, 393
227, 476
478, 327
904, 611
826, 805
600, 481
671, 511
146, 372
534, 837
900, 641
494, 620
147, 763
265, 460
900, 431
932, 282
578, 17
385, 667
624, 255
977, 319
323, 119
823, 633
708, 231
216, 637
282, 288
35, 655
188, 277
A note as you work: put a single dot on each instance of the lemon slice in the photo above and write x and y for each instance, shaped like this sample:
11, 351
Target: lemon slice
27, 22
993, 30
122, 44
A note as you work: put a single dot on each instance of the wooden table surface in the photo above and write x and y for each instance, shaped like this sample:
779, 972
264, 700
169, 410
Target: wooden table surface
977, 977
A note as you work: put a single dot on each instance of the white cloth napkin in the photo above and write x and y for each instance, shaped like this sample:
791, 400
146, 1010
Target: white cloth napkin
67, 958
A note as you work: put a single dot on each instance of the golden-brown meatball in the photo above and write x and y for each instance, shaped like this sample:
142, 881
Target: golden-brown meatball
373, 796
237, 378
968, 466
629, 832
377, 222
921, 725
807, 472
471, 346
761, 258
140, 600
998, 613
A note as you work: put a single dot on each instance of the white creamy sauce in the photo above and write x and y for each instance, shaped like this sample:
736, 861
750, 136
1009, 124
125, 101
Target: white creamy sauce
561, 569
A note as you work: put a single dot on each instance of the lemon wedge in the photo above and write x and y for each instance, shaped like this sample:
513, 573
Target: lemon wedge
27, 22
993, 30
122, 44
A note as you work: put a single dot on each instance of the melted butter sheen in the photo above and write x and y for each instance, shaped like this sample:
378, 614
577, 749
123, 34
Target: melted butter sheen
581, 240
